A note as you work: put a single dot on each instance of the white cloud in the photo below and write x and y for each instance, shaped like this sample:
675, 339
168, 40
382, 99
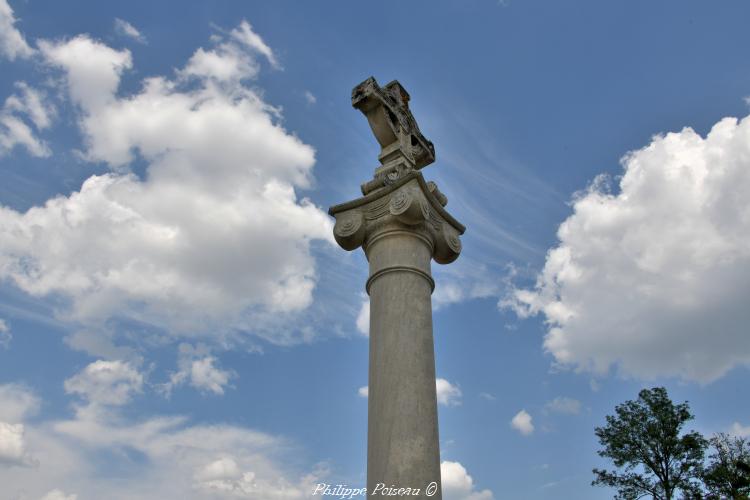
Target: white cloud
14, 131
245, 35
223, 468
106, 383
58, 495
447, 293
231, 60
654, 279
310, 98
458, 286
197, 366
174, 460
93, 72
5, 335
33, 103
564, 405
12, 42
447, 393
457, 484
740, 430
213, 240
187, 461
487, 396
205, 376
225, 477
17, 403
522, 422
124, 28
13, 447
225, 63
363, 318
43, 459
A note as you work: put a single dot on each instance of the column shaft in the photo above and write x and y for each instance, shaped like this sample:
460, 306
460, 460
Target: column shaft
402, 441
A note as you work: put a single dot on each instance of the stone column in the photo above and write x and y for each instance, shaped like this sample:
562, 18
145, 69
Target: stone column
401, 225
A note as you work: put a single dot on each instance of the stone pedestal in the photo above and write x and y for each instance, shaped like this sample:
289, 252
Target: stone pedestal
401, 225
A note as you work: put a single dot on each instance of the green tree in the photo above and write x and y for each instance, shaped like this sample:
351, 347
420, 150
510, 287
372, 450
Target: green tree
643, 440
728, 472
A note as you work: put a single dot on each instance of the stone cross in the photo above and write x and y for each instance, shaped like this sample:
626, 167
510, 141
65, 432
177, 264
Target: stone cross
401, 224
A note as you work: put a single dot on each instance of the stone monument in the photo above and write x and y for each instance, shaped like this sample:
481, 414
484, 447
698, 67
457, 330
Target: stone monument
401, 224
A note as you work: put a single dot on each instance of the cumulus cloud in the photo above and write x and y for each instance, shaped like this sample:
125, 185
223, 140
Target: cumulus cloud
205, 376
198, 368
191, 461
13, 447
58, 495
363, 318
16, 403
166, 457
124, 28
28, 104
212, 239
363, 391
522, 422
12, 42
564, 405
224, 477
447, 393
106, 383
93, 73
232, 59
653, 278
457, 484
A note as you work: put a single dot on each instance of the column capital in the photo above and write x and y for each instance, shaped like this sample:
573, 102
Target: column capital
408, 203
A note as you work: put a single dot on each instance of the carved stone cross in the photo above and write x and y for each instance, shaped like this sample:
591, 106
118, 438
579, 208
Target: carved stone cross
403, 147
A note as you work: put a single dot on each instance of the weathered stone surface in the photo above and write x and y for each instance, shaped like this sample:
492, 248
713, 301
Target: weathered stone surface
387, 111
403, 147
408, 202
402, 225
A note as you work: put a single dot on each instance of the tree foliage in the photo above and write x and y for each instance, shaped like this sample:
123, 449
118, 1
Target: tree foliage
728, 472
643, 441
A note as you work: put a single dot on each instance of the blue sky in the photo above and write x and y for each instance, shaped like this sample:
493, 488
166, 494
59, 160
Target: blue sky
176, 321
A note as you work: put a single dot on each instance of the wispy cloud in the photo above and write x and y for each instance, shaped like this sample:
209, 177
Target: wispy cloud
124, 28
564, 406
12, 43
